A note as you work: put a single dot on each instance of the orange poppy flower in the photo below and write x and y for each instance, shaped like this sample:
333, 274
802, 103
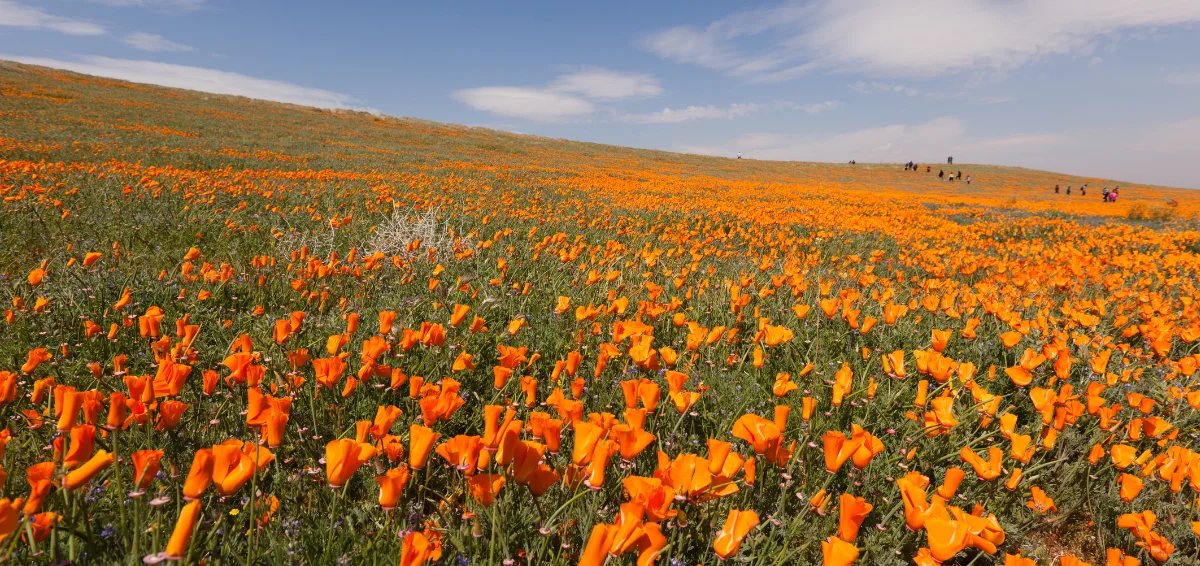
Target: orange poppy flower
954, 477
851, 512
783, 385
653, 495
343, 457
1018, 560
416, 549
632, 441
84, 473
595, 553
843, 384
837, 552
838, 449
420, 442
145, 466
1022, 448
1040, 502
893, 364
986, 470
83, 442
462, 452
200, 475
185, 525
761, 433
737, 525
940, 339
484, 488
1010, 338
1130, 487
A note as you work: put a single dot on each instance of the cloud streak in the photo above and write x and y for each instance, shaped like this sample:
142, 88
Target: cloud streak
604, 84
153, 42
199, 78
566, 98
13, 14
536, 104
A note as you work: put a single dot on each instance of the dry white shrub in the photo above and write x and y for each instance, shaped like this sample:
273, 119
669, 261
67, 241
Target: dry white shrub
393, 235
320, 244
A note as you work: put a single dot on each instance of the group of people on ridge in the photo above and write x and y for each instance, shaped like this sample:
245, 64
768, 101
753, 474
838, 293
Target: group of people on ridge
1105, 195
910, 166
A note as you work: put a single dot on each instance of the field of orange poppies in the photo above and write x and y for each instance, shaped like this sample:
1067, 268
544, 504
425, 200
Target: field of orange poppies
239, 332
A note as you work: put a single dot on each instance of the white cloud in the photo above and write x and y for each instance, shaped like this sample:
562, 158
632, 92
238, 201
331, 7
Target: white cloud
537, 104
198, 78
607, 85
13, 14
1150, 154
820, 107
923, 38
568, 97
674, 116
153, 42
864, 87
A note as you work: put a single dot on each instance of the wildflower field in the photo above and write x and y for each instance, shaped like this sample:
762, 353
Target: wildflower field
240, 332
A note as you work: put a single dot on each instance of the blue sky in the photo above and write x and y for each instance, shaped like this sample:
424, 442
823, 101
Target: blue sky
1097, 87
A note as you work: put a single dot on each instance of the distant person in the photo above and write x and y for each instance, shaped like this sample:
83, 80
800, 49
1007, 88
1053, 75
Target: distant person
1113, 195
958, 175
968, 179
1068, 190
1056, 189
928, 169
1083, 190
739, 155
941, 174
1104, 196
950, 161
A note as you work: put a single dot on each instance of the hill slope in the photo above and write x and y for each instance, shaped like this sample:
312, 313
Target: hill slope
58, 115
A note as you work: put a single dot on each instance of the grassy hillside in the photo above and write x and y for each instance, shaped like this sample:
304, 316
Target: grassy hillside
246, 332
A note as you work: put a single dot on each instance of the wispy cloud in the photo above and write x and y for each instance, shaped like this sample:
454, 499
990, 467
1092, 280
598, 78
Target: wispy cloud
864, 87
676, 115
153, 42
199, 78
919, 39
569, 96
18, 15
820, 107
604, 84
537, 104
